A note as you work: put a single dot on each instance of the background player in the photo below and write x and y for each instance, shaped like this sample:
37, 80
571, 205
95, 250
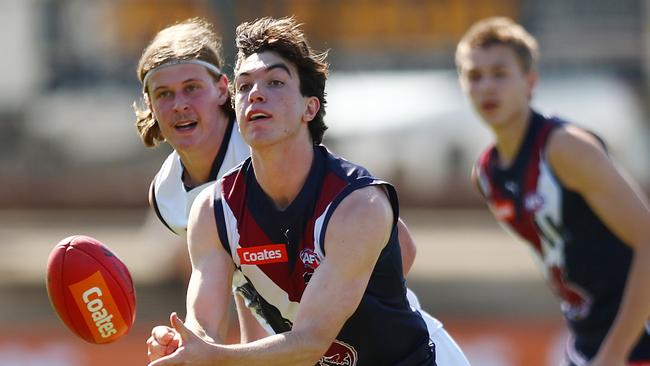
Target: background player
552, 184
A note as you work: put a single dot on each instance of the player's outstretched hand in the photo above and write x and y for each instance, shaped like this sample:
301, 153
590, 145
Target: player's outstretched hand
189, 350
163, 341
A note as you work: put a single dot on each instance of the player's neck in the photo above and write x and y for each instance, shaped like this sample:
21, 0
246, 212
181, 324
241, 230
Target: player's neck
198, 163
282, 170
199, 159
197, 168
510, 137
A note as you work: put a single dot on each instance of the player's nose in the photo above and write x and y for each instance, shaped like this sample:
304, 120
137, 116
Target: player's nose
180, 103
256, 94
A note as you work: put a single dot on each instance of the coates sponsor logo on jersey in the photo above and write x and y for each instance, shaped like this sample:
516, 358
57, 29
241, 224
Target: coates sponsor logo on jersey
339, 354
503, 210
309, 258
263, 254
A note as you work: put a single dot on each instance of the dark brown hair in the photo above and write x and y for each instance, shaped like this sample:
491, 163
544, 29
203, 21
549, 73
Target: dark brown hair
284, 37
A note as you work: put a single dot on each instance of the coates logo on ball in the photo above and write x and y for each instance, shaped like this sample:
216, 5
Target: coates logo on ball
99, 310
339, 354
91, 289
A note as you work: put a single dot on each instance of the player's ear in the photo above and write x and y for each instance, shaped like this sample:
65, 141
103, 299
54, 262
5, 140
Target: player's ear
222, 86
312, 107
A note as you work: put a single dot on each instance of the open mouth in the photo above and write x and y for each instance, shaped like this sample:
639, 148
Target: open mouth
185, 126
489, 106
254, 116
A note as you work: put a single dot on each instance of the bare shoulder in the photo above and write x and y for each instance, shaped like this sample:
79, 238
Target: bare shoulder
204, 201
202, 227
367, 201
570, 136
575, 156
364, 216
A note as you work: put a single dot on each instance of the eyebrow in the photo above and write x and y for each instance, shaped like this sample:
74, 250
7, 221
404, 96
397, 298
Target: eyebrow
270, 68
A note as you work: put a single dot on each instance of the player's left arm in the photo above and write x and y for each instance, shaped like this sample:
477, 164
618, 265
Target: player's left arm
357, 232
581, 163
407, 246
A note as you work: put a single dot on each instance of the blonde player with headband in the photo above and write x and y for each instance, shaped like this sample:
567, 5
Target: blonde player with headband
187, 104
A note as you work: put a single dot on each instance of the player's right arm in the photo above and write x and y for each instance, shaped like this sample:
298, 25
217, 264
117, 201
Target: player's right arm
209, 288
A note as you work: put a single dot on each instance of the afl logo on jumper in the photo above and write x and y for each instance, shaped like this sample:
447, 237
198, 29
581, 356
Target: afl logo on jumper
533, 202
309, 258
339, 354
262, 254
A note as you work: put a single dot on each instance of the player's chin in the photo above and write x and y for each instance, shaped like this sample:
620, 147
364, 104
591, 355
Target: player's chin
186, 143
493, 119
259, 140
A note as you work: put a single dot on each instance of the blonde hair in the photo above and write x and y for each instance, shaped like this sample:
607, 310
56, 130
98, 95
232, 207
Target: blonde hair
500, 31
192, 39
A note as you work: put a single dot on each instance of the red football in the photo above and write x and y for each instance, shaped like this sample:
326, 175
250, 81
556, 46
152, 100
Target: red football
91, 289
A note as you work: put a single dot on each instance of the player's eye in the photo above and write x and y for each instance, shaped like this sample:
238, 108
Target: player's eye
163, 94
191, 87
473, 76
243, 87
500, 74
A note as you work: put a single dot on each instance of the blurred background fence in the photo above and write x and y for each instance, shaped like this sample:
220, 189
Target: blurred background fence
71, 161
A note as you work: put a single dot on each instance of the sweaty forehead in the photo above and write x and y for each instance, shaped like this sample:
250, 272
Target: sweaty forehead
264, 62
